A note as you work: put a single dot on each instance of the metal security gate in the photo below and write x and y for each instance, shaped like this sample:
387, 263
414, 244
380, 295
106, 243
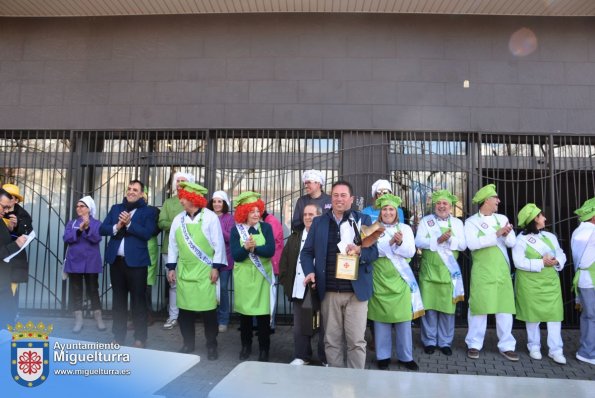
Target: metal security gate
55, 168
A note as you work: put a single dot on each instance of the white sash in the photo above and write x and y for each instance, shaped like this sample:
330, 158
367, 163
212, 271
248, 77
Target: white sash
486, 229
198, 253
260, 267
449, 260
536, 243
403, 268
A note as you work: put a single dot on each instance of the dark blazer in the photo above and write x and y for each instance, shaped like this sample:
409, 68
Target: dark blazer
17, 270
143, 226
24, 222
288, 262
315, 247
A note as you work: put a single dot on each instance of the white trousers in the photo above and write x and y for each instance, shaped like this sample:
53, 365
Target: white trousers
477, 331
172, 308
554, 337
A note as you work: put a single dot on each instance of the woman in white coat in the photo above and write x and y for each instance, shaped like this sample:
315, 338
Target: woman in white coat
538, 258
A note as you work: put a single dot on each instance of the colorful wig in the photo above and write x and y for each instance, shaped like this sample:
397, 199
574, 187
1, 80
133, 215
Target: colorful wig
242, 211
194, 198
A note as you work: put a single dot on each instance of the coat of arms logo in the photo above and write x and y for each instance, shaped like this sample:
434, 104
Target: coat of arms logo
30, 358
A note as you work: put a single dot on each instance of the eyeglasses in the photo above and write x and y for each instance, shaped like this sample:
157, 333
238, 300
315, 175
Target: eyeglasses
383, 192
80, 206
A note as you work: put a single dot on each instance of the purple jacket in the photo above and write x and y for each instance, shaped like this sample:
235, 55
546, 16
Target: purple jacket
227, 223
83, 256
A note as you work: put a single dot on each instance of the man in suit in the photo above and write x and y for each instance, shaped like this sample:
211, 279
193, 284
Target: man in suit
344, 303
130, 225
15, 271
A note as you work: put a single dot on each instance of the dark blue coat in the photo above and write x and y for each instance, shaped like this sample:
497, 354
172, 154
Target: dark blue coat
143, 226
315, 248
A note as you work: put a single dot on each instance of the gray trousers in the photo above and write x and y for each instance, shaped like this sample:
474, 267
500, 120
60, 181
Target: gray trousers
403, 340
437, 329
587, 346
302, 342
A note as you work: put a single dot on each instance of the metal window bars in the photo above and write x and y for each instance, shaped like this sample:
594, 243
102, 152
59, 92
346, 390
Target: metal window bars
55, 168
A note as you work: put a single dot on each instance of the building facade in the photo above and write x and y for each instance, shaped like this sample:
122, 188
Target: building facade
249, 100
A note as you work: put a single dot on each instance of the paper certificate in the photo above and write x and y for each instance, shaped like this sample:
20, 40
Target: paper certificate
347, 267
30, 237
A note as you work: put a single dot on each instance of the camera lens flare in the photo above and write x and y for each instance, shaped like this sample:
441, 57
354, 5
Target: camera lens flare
522, 42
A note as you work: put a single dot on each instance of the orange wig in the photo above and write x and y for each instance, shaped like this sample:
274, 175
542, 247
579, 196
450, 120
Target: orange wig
242, 211
194, 198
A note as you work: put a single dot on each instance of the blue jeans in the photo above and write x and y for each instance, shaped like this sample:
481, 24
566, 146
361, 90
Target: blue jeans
223, 310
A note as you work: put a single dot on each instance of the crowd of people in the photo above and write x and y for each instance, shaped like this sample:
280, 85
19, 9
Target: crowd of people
343, 270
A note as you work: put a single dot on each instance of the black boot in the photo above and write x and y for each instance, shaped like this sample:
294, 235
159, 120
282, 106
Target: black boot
263, 356
187, 348
383, 364
212, 353
245, 353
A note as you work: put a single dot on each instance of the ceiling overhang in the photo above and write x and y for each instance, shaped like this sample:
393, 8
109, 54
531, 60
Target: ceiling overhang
98, 8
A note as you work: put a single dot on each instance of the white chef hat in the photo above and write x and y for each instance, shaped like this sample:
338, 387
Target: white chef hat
313, 175
223, 196
380, 185
189, 177
90, 203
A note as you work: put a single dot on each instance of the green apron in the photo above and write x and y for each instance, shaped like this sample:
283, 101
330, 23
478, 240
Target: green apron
194, 290
251, 289
154, 256
577, 275
435, 281
538, 294
391, 301
491, 283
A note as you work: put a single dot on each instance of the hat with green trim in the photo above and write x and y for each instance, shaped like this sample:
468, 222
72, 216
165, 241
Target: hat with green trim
444, 194
587, 210
486, 192
246, 197
193, 187
388, 200
528, 214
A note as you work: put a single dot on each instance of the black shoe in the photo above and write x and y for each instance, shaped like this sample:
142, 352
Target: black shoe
383, 364
429, 349
212, 353
446, 351
186, 349
245, 353
411, 365
263, 356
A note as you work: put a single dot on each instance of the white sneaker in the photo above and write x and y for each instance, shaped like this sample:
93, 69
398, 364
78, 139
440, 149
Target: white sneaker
222, 328
587, 360
298, 362
535, 355
558, 358
170, 323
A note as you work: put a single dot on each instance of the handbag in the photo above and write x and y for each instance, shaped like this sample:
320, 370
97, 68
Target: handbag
310, 312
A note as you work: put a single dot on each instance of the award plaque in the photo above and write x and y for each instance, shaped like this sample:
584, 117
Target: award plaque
347, 267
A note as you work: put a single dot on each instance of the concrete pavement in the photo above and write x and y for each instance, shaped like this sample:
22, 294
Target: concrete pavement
199, 380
